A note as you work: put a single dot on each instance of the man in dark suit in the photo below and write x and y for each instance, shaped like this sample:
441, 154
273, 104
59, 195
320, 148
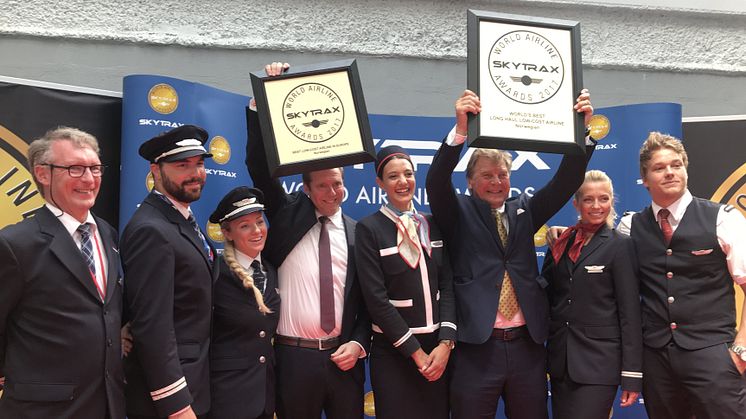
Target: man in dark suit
502, 308
690, 252
60, 292
324, 329
168, 293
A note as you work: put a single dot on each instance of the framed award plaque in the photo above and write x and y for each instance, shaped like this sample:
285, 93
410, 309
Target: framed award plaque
313, 118
527, 72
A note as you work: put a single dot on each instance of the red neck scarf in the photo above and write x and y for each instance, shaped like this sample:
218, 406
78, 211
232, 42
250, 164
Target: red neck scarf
583, 230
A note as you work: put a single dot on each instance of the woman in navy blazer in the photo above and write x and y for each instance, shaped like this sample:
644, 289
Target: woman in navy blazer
595, 337
246, 307
406, 283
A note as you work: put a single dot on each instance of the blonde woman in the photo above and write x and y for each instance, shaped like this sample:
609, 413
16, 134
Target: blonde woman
245, 316
595, 336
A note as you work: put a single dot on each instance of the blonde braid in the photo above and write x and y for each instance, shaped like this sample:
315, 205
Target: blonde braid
248, 282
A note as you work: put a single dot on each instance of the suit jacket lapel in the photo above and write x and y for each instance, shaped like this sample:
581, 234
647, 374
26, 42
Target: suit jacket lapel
490, 223
598, 239
173, 215
63, 246
114, 271
350, 235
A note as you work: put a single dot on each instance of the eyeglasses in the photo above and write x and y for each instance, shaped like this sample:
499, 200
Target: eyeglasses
97, 170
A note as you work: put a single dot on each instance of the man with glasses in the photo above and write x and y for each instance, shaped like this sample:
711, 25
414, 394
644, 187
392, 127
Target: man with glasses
168, 292
60, 292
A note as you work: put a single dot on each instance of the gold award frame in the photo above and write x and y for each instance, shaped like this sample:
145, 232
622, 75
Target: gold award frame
313, 118
527, 72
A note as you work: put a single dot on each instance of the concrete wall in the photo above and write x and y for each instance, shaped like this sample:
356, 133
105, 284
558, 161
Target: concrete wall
411, 52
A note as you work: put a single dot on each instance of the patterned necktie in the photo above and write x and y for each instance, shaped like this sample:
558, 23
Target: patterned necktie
260, 281
508, 305
665, 225
205, 246
326, 284
86, 247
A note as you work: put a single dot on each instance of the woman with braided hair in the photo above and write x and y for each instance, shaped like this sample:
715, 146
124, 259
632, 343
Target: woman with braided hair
245, 316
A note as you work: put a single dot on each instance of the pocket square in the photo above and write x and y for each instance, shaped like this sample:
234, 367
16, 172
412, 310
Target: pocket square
595, 269
520, 211
701, 252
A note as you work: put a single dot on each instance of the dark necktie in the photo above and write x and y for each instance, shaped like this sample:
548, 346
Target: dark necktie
205, 246
260, 281
665, 225
326, 284
86, 247
508, 304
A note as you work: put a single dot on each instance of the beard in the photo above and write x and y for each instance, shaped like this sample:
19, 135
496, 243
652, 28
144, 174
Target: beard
180, 193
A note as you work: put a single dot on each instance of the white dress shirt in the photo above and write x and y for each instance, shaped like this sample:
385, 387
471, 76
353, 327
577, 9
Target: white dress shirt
298, 277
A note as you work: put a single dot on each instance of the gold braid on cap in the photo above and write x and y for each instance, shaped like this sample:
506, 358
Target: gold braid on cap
229, 256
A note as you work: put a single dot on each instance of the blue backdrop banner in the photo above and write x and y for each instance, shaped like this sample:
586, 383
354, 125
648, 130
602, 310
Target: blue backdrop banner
153, 104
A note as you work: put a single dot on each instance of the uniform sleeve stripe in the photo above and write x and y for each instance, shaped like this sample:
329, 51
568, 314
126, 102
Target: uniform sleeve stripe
399, 342
448, 324
389, 251
169, 389
631, 374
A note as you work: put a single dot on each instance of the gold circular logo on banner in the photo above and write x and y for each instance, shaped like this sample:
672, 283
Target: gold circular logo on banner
214, 233
20, 197
163, 98
149, 181
733, 192
540, 238
313, 112
369, 405
521, 81
600, 126
220, 149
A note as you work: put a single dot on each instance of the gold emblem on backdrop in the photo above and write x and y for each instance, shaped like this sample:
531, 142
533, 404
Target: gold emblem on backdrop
163, 98
149, 181
214, 233
540, 238
600, 126
220, 149
20, 197
369, 406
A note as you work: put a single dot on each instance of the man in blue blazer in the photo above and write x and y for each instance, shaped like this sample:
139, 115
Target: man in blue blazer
61, 292
319, 368
502, 307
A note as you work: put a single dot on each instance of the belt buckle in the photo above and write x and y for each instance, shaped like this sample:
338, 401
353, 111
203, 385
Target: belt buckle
321, 344
508, 334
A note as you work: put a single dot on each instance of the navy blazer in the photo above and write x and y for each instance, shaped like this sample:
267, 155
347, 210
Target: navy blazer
595, 334
290, 217
60, 351
241, 355
168, 295
478, 257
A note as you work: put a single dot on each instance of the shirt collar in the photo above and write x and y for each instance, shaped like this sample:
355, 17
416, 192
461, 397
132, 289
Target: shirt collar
501, 209
677, 209
70, 223
184, 211
335, 219
245, 260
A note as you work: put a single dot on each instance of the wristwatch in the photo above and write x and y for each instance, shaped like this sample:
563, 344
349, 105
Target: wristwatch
739, 350
450, 344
